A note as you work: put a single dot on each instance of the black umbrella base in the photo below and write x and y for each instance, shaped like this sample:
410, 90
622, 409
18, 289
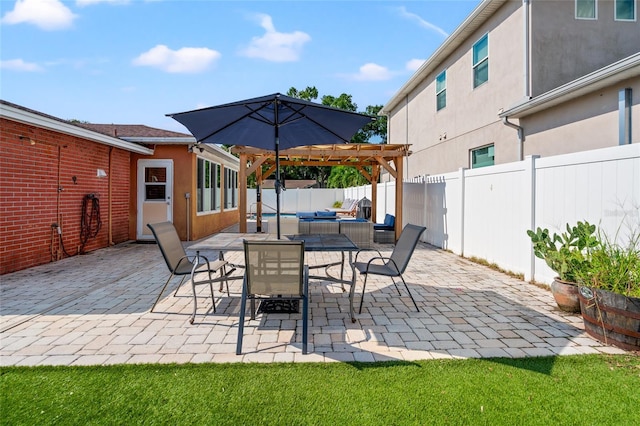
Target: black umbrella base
279, 306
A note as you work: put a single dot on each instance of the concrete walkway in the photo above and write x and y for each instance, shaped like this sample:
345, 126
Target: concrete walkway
94, 309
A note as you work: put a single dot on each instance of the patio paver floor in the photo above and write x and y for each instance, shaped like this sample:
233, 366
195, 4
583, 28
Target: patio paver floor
94, 310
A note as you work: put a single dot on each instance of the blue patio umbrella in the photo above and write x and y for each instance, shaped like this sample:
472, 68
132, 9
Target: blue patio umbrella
272, 123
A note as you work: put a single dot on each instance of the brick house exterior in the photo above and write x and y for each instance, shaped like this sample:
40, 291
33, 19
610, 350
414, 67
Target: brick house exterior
47, 167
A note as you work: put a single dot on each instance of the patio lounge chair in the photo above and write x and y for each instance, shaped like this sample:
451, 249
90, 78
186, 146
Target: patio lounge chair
274, 270
348, 207
180, 264
394, 265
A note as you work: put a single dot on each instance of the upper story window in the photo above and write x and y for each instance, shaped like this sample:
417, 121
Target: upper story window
441, 90
482, 157
586, 9
481, 61
625, 10
208, 186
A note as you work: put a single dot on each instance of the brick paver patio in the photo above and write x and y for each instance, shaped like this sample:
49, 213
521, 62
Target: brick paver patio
94, 309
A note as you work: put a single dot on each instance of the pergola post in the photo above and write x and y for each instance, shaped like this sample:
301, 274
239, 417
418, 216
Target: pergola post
375, 174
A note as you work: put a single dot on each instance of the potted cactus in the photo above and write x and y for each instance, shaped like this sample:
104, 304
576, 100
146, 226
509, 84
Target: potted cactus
567, 254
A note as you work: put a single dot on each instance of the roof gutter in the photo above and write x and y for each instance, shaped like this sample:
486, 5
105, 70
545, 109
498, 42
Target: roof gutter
28, 117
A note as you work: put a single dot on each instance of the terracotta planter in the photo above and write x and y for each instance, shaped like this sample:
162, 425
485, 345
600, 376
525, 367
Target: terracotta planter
566, 295
611, 317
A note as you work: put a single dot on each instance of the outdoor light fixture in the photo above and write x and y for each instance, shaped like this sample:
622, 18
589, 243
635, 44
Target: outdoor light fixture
27, 138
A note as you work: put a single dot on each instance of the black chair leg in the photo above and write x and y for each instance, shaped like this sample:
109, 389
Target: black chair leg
410, 295
364, 286
162, 291
396, 284
175, 293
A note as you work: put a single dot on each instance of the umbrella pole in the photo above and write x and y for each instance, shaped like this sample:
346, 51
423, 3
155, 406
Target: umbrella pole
277, 187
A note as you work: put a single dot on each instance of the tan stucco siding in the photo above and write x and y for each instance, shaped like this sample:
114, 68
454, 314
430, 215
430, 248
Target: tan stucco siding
585, 123
565, 48
441, 140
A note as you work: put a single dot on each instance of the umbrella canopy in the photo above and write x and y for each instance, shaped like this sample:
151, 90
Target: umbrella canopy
272, 122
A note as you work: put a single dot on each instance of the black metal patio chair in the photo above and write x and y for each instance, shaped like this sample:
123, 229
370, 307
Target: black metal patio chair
179, 263
394, 265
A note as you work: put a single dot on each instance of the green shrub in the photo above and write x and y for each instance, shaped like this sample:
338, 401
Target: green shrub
614, 267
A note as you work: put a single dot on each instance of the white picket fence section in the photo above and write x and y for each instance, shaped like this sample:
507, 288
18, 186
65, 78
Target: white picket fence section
486, 212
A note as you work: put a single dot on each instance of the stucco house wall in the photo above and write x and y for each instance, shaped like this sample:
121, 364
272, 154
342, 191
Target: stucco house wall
564, 48
532, 51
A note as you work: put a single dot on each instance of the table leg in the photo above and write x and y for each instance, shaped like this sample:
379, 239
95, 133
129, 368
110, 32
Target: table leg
352, 290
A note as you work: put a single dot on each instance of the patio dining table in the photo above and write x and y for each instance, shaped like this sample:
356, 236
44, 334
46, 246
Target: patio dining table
223, 242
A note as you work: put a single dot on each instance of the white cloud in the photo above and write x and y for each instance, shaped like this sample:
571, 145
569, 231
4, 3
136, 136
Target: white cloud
184, 60
372, 72
45, 14
275, 46
20, 65
414, 64
424, 24
83, 3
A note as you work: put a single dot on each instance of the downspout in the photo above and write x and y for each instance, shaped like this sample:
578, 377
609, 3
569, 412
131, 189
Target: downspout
506, 122
526, 49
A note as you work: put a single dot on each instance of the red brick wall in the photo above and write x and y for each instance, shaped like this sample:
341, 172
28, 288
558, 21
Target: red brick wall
37, 189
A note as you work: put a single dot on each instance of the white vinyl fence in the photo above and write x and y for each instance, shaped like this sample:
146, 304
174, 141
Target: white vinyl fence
486, 212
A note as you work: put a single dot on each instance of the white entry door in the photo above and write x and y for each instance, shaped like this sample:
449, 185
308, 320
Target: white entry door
155, 195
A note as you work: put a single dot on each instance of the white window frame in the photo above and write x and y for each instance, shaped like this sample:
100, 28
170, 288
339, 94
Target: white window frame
442, 91
471, 151
230, 189
477, 64
595, 11
615, 12
214, 182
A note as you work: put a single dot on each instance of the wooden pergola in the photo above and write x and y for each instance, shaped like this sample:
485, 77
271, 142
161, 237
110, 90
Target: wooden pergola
359, 155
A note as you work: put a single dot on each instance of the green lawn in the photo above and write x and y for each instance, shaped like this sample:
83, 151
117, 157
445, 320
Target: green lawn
576, 390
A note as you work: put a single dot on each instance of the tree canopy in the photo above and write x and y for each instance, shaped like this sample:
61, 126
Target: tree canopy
340, 176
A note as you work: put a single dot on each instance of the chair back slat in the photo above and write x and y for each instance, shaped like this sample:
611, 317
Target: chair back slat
274, 267
169, 242
405, 246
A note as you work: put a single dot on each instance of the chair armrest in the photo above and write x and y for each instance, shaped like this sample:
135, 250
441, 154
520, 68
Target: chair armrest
367, 249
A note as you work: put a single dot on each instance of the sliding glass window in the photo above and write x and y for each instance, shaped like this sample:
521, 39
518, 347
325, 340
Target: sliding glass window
208, 186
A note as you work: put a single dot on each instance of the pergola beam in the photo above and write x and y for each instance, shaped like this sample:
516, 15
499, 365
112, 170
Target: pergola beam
359, 156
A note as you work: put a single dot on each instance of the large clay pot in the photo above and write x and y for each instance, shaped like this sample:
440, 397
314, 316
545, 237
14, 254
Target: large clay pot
566, 295
611, 317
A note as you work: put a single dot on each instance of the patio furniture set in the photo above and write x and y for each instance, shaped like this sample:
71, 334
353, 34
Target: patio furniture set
276, 270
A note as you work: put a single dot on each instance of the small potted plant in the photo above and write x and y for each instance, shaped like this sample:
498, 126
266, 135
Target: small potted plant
566, 254
610, 293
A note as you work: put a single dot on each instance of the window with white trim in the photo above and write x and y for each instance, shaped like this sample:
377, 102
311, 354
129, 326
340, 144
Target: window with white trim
625, 10
208, 186
482, 157
230, 188
441, 90
481, 61
586, 9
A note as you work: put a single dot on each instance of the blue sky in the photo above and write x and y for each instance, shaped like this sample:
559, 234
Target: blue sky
132, 62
